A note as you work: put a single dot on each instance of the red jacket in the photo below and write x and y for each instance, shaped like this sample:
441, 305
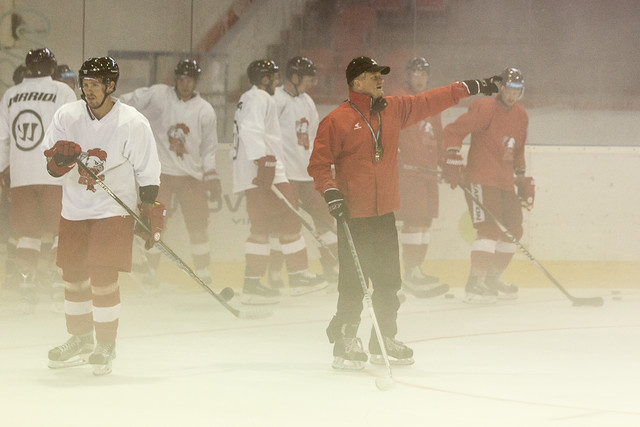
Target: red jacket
345, 141
491, 125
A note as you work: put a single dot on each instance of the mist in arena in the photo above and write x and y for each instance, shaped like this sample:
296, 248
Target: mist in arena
564, 353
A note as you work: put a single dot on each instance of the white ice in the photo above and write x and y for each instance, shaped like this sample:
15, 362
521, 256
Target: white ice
182, 360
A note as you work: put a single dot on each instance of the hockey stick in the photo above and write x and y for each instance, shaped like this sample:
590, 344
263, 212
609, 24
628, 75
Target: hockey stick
302, 219
594, 301
381, 383
175, 258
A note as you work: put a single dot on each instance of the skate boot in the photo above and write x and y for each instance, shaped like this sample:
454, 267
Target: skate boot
421, 285
348, 352
478, 293
254, 293
398, 352
101, 358
305, 282
74, 352
506, 291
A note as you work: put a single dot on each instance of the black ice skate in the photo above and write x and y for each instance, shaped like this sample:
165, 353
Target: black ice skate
74, 352
253, 292
506, 291
398, 352
305, 282
348, 352
101, 358
421, 285
478, 293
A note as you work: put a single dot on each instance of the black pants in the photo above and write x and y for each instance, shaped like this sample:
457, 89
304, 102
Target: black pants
376, 241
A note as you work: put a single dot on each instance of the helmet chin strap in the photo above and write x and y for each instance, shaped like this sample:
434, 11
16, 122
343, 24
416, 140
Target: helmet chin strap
84, 98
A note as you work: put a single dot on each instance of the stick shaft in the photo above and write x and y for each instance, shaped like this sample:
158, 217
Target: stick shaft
367, 295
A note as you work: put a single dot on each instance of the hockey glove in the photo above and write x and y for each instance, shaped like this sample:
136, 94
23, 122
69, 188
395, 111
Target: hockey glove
152, 214
487, 86
335, 202
212, 185
452, 168
526, 190
61, 157
266, 171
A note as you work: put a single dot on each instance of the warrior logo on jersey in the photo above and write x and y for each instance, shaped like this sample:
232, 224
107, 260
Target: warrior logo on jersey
94, 159
178, 139
27, 129
302, 130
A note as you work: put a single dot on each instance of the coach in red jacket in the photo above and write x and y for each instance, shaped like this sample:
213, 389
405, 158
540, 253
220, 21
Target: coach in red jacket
360, 140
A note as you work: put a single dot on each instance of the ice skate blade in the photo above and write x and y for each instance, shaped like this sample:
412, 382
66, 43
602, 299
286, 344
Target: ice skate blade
378, 359
249, 299
342, 364
425, 291
76, 361
100, 370
304, 290
477, 299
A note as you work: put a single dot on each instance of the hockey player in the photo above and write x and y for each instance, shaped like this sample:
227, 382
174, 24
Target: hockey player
299, 120
257, 164
116, 142
66, 75
184, 126
498, 128
419, 148
26, 112
360, 139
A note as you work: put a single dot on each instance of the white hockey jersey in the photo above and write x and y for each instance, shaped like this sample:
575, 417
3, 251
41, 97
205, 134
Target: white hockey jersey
185, 132
256, 134
299, 121
25, 114
119, 149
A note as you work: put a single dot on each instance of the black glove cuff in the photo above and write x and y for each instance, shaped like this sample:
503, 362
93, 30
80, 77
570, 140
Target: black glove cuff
148, 193
332, 195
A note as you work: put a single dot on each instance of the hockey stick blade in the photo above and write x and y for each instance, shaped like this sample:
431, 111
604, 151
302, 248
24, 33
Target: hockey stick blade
591, 302
168, 252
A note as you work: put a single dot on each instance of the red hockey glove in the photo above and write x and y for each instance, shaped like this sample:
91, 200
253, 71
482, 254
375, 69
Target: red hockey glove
526, 190
452, 168
266, 171
152, 214
212, 185
61, 157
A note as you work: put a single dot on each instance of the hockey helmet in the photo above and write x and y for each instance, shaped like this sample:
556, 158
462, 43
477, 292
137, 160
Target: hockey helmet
40, 62
301, 66
187, 67
260, 68
104, 68
417, 64
512, 78
63, 72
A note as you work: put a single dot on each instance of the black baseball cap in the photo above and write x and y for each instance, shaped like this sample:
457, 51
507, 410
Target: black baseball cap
363, 64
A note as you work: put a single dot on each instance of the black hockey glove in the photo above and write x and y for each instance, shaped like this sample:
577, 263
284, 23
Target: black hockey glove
487, 86
335, 202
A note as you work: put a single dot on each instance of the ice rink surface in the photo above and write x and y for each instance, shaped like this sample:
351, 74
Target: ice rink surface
182, 360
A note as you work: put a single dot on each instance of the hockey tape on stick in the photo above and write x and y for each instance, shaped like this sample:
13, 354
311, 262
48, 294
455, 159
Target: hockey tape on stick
172, 255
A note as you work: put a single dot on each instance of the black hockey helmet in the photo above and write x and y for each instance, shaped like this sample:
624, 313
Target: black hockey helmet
301, 66
418, 63
512, 78
188, 67
63, 72
260, 68
104, 68
40, 62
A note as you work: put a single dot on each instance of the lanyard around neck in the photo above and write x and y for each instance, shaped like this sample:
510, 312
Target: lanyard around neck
376, 136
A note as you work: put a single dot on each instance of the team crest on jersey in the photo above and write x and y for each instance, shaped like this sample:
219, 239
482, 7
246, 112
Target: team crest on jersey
178, 139
94, 159
302, 131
